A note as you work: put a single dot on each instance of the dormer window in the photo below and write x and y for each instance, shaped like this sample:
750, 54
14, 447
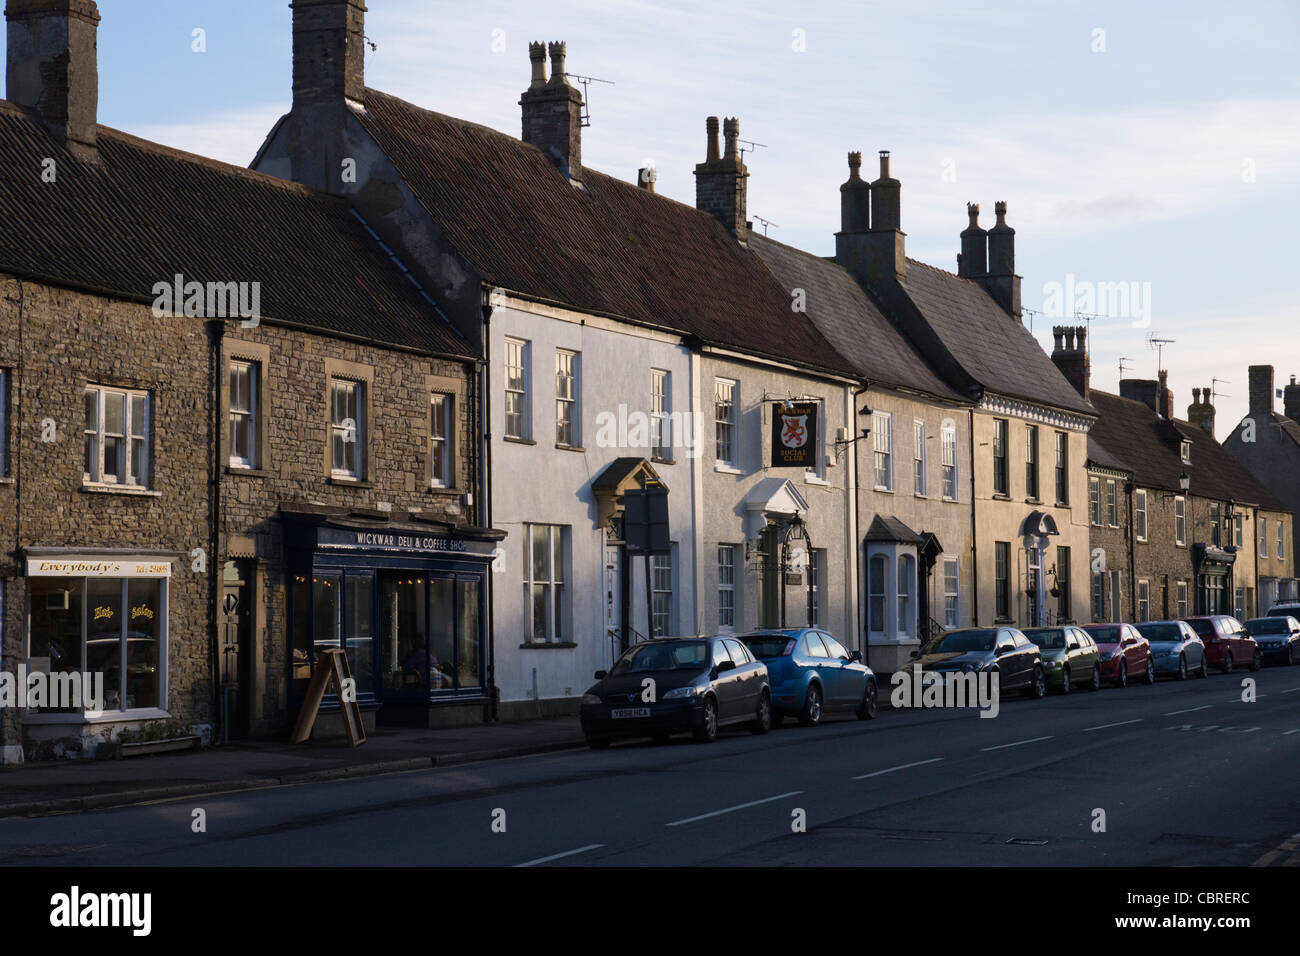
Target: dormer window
1185, 451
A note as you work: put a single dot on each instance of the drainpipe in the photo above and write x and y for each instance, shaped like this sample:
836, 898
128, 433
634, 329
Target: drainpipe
859, 575
974, 541
216, 330
485, 503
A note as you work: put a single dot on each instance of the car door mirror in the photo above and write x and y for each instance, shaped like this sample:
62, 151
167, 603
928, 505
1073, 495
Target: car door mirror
724, 666
856, 656
1006, 648
601, 675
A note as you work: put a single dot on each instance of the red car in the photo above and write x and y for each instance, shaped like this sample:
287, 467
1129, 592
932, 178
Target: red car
1227, 642
1124, 653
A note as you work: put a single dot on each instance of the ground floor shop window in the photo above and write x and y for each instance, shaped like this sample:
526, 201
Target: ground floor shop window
114, 627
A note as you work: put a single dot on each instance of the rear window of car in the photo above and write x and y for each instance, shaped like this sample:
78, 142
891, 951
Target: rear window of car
1104, 635
961, 642
1050, 638
767, 645
1284, 610
652, 656
1269, 625
1201, 627
1161, 632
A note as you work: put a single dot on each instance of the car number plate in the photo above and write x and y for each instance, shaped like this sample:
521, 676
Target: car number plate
630, 712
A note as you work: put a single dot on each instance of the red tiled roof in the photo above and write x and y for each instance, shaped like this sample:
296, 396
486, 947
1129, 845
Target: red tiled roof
609, 247
146, 212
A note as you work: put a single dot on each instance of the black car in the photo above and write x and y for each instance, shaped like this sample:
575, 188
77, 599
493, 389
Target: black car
1015, 658
1278, 638
674, 685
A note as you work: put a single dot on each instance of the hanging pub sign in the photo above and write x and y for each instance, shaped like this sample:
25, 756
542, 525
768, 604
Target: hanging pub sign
794, 435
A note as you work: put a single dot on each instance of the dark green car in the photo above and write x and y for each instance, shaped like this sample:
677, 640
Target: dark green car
1070, 657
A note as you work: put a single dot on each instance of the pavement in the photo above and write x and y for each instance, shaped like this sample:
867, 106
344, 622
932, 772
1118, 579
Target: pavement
72, 785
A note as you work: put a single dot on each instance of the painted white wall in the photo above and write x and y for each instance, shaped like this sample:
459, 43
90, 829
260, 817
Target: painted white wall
540, 483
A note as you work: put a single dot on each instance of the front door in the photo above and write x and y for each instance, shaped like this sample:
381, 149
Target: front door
235, 656
404, 639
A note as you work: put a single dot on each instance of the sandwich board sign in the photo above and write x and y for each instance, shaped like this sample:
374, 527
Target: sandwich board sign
331, 667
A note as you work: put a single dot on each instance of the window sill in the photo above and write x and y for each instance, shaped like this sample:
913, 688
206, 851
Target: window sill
247, 472
1062, 504
548, 646
1001, 496
561, 447
883, 490
951, 500
518, 441
127, 490
727, 470
108, 716
922, 495
6, 481
1033, 501
662, 461
348, 482
443, 490
815, 480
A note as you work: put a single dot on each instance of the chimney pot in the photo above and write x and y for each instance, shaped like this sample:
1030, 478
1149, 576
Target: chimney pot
645, 178
974, 245
855, 199
558, 76
537, 56
731, 136
1058, 333
1291, 400
720, 187
52, 67
1002, 283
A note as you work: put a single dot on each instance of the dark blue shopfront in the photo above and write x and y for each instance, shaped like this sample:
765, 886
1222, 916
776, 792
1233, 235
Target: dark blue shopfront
408, 604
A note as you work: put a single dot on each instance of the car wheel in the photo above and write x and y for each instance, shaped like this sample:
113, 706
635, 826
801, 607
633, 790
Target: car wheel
1205, 667
1038, 686
1182, 667
867, 709
598, 743
1151, 670
1065, 681
1257, 661
1122, 680
1227, 663
707, 732
812, 707
763, 718
1095, 683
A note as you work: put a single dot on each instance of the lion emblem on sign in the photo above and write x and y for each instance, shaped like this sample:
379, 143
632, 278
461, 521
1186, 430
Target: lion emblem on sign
794, 430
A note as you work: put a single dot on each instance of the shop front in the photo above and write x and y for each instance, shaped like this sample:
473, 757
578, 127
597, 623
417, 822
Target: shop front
406, 601
1213, 567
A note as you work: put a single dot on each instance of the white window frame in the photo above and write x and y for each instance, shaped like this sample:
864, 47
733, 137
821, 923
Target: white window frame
1033, 478
817, 472
243, 418
1116, 596
918, 457
1143, 600
1180, 598
441, 477
882, 441
727, 587
817, 577
1112, 503
339, 431
1263, 536
1140, 514
726, 393
1180, 520
948, 440
1281, 538
134, 472
951, 592
906, 610
1098, 596
661, 426
663, 568
1094, 501
1185, 452
1061, 473
568, 385
554, 584
877, 590
516, 368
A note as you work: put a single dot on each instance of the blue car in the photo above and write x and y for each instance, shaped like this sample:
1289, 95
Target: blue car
1175, 648
811, 674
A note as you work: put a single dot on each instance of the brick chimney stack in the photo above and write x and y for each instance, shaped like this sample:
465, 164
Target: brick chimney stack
1201, 412
1291, 399
720, 187
855, 199
329, 52
1071, 356
52, 67
552, 111
973, 260
1261, 389
1001, 282
886, 254
1144, 390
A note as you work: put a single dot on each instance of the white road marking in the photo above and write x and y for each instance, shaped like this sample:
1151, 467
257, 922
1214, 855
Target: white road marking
739, 806
919, 763
1290, 732
558, 856
1190, 710
1032, 740
1136, 720
1289, 690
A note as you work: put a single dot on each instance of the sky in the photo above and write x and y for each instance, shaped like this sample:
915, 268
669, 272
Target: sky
1150, 147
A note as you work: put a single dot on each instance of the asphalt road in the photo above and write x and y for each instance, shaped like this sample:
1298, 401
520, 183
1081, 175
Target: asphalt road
1186, 774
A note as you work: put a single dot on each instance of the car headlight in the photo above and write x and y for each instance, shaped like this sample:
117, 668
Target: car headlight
677, 693
1051, 665
590, 699
1107, 655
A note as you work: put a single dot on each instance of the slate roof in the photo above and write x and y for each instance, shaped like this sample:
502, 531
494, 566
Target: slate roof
147, 212
889, 528
993, 347
1148, 446
851, 320
609, 247
1098, 455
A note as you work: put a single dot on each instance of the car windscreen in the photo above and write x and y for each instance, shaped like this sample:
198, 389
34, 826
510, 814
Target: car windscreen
1202, 627
684, 655
1052, 638
963, 642
767, 645
1161, 632
1269, 625
1104, 635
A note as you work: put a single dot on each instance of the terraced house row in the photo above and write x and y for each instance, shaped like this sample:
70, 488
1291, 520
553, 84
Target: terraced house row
483, 416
